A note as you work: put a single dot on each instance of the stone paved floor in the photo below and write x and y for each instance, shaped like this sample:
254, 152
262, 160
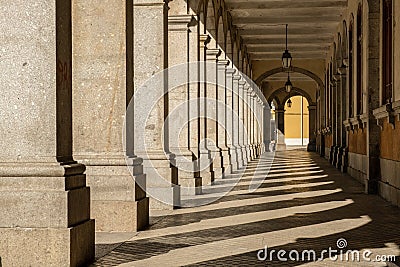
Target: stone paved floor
302, 203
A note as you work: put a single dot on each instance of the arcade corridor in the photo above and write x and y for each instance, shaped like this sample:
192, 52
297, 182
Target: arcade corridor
303, 204
132, 130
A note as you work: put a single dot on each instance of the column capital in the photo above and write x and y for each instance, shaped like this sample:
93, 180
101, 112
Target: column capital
204, 39
213, 53
150, 2
181, 22
242, 83
312, 106
223, 62
237, 77
230, 71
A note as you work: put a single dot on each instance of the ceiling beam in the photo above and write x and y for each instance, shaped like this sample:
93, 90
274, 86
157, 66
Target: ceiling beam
280, 47
315, 40
324, 19
300, 12
285, 4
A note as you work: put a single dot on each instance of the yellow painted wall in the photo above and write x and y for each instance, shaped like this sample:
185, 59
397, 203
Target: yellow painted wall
293, 118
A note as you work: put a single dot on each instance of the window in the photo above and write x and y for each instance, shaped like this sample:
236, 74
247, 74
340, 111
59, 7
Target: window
359, 62
387, 52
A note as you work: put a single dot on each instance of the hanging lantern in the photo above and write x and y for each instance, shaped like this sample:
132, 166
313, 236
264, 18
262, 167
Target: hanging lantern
289, 103
288, 85
286, 57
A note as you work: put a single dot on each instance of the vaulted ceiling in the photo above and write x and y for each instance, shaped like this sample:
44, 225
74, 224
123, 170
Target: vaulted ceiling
261, 24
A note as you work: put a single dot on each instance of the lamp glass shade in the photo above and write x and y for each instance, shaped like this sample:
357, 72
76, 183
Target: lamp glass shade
286, 59
289, 103
288, 86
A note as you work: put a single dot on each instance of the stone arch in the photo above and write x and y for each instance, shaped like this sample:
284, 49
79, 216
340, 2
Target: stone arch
344, 41
235, 55
229, 47
334, 59
294, 92
221, 34
210, 17
308, 73
274, 98
339, 54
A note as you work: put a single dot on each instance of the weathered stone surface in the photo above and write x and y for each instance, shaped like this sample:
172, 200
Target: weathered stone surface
100, 96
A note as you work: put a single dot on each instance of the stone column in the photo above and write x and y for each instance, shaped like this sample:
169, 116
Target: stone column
230, 116
211, 111
266, 130
222, 112
255, 126
322, 118
45, 203
332, 158
337, 121
373, 81
247, 136
236, 122
243, 122
312, 110
252, 124
206, 164
260, 127
151, 57
183, 98
193, 88
280, 127
342, 116
100, 96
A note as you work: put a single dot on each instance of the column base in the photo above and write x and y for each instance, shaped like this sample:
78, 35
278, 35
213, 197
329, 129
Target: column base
189, 178
280, 147
335, 155
312, 147
345, 160
245, 158
46, 208
233, 160
206, 168
73, 246
120, 216
118, 193
164, 198
331, 154
225, 160
217, 164
162, 180
339, 158
190, 186
371, 186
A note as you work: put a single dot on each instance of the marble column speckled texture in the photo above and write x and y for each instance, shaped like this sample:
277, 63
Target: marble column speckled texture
45, 203
101, 95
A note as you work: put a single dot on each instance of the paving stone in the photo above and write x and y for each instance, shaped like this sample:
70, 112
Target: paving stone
232, 230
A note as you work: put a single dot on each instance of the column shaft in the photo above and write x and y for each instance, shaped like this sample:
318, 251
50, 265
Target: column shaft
152, 142
45, 204
222, 113
182, 101
206, 164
